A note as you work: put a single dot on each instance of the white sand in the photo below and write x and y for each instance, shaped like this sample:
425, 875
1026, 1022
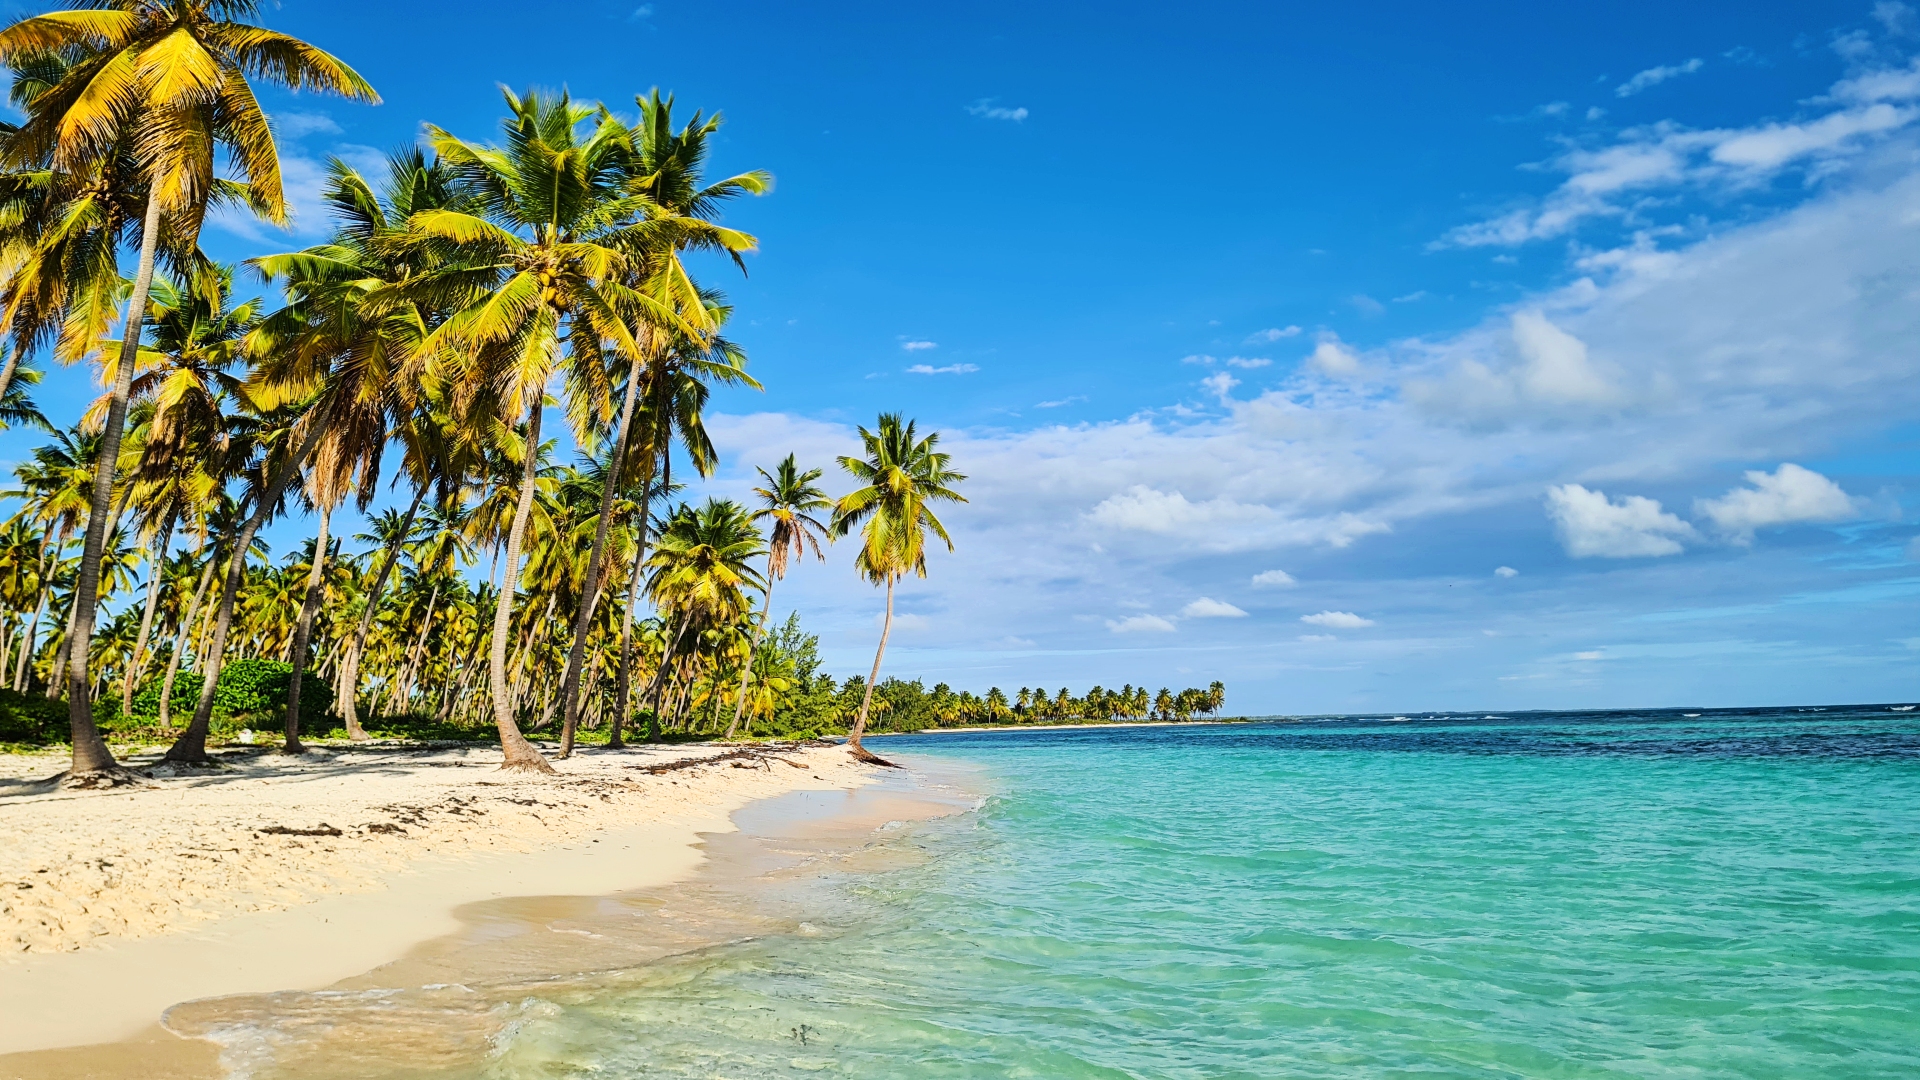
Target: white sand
115, 905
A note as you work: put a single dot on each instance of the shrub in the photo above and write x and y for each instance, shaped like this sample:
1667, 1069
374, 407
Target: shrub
247, 688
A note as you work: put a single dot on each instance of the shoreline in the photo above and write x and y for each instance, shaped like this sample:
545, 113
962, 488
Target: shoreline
151, 898
1078, 727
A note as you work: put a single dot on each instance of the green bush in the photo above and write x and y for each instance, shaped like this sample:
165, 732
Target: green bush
31, 719
248, 688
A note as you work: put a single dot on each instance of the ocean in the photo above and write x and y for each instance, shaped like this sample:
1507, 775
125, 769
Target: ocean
1579, 895
1618, 894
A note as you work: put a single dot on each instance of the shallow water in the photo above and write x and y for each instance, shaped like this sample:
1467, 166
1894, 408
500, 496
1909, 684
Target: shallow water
1734, 894
1556, 895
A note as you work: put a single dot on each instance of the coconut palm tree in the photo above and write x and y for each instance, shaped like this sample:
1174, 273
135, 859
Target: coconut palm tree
788, 500
171, 80
665, 166
536, 285
900, 476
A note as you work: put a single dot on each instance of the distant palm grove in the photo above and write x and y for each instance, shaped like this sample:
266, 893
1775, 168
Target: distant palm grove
411, 359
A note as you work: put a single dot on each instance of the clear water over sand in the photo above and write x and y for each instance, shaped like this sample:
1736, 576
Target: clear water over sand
1569, 895
1596, 895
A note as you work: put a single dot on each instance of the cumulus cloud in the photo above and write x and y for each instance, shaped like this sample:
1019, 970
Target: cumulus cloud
1590, 524
1141, 624
1790, 495
987, 109
949, 369
1544, 368
1220, 384
1337, 620
1208, 608
1505, 571
1334, 358
1654, 76
1273, 579
1272, 334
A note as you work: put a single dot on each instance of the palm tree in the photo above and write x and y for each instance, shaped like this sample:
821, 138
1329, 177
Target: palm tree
665, 167
171, 80
900, 475
535, 285
787, 500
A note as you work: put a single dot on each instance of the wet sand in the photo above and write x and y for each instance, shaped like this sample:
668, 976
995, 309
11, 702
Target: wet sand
435, 1011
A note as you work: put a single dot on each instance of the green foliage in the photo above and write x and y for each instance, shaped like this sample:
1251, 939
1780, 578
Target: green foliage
31, 720
248, 689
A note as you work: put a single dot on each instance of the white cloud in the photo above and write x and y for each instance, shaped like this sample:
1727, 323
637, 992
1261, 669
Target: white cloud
1506, 571
1549, 370
1208, 608
1366, 305
1612, 181
1248, 362
296, 125
1318, 637
1654, 76
1272, 334
986, 108
1060, 402
950, 369
903, 621
1332, 357
1592, 525
1593, 654
1789, 495
919, 346
1897, 18
1141, 624
1337, 620
1220, 384
1412, 297
1273, 579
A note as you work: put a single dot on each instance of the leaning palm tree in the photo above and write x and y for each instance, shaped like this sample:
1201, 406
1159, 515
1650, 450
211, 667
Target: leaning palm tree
664, 167
788, 500
536, 285
171, 80
900, 477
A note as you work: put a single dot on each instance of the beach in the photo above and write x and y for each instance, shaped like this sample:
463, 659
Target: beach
275, 873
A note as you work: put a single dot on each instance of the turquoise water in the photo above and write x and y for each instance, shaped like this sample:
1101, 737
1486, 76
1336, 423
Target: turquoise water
1564, 895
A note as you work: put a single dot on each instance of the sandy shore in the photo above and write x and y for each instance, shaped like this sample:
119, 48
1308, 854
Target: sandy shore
276, 873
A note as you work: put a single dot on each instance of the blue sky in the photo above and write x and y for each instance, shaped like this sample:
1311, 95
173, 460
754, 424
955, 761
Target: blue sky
1271, 334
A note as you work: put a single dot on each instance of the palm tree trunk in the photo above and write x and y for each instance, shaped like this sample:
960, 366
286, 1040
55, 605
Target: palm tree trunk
624, 681
404, 695
746, 671
310, 603
181, 638
866, 699
65, 650
138, 661
570, 686
350, 674
660, 675
93, 764
519, 754
191, 746
26, 644
6, 372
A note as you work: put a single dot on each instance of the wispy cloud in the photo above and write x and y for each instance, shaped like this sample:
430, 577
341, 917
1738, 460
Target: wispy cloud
1337, 620
985, 107
1208, 608
1654, 76
950, 369
1271, 334
1141, 624
1068, 400
298, 125
1505, 572
919, 346
641, 13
